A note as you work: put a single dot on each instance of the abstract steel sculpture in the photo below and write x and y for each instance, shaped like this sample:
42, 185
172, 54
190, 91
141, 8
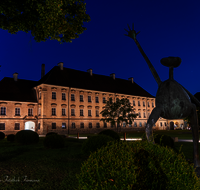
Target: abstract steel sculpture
173, 101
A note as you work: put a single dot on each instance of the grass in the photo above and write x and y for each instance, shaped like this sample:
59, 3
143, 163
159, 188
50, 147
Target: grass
36, 167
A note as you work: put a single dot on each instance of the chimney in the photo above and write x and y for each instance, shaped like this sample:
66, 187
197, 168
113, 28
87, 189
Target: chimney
112, 75
15, 76
60, 65
90, 71
43, 70
131, 79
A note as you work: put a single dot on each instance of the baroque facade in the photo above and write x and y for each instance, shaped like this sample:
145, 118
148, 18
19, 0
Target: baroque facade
68, 101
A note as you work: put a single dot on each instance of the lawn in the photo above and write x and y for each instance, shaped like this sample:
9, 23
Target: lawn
36, 167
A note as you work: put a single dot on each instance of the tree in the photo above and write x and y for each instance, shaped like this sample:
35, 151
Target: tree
60, 20
118, 112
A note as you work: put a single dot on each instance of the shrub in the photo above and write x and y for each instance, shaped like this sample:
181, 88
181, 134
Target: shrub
54, 141
95, 142
11, 138
2, 135
136, 165
27, 137
51, 133
110, 133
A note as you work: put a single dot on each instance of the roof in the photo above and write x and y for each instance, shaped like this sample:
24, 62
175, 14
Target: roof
20, 90
83, 80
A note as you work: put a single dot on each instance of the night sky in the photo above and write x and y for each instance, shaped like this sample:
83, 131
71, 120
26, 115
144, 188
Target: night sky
168, 28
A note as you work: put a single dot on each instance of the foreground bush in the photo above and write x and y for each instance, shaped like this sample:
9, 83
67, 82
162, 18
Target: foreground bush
54, 141
27, 137
2, 135
51, 133
95, 142
11, 138
137, 165
110, 133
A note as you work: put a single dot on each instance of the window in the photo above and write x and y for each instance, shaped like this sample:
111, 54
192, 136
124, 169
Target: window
90, 125
2, 126
161, 124
63, 125
148, 104
97, 125
81, 112
82, 125
140, 124
81, 98
17, 111
104, 100
17, 126
139, 114
53, 125
110, 100
72, 112
143, 104
53, 111
165, 124
124, 124
152, 104
130, 125
63, 111
111, 125
72, 97
39, 111
89, 99
97, 113
133, 102
117, 99
148, 115
138, 103
105, 125
144, 115
38, 126
3, 110
145, 124
54, 95
73, 125
89, 113
63, 96
39, 95
30, 112
97, 99
135, 124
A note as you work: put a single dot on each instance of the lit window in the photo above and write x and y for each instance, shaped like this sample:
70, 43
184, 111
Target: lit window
97, 99
63, 96
3, 111
63, 111
53, 111
81, 98
30, 112
17, 111
72, 97
54, 95
17, 126
53, 125
89, 113
63, 125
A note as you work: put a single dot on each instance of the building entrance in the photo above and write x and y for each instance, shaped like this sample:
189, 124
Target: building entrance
29, 125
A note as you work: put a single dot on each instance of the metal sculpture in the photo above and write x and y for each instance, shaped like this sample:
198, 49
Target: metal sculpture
173, 101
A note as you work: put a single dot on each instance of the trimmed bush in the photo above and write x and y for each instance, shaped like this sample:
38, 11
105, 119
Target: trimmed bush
95, 142
11, 138
2, 135
51, 133
110, 133
54, 141
27, 137
136, 165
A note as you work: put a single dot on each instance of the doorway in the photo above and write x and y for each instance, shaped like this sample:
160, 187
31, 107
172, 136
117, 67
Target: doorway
29, 125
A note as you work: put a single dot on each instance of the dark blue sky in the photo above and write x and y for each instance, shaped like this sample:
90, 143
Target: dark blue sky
168, 28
